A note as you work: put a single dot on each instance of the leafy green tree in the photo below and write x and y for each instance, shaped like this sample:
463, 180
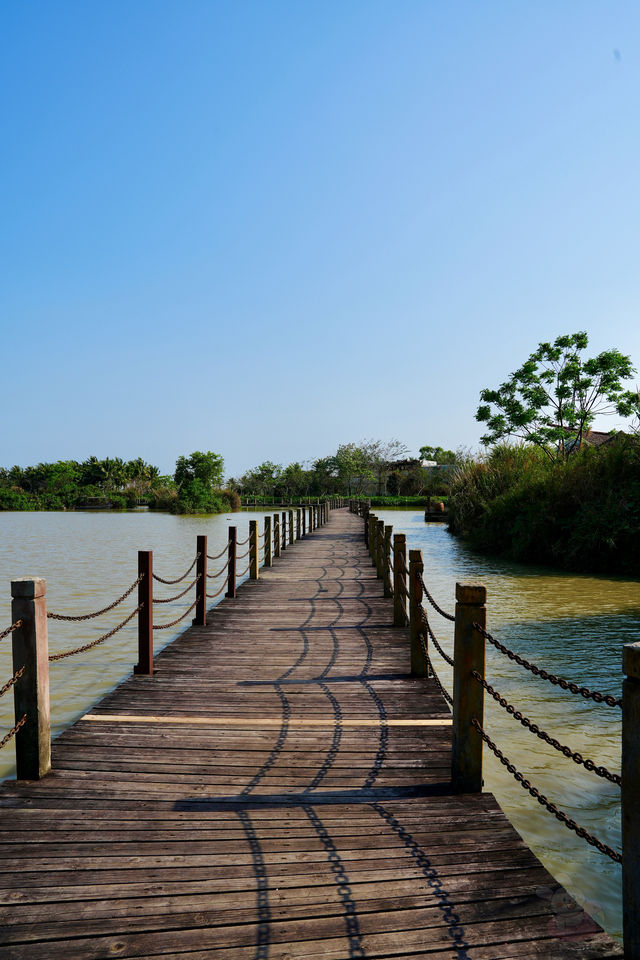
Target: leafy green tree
553, 398
439, 454
206, 468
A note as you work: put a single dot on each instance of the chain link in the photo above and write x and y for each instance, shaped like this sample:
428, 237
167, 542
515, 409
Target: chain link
218, 555
13, 680
551, 677
179, 595
543, 801
241, 543
427, 625
447, 616
212, 576
21, 722
14, 626
246, 570
165, 626
180, 579
212, 596
241, 556
94, 643
98, 613
542, 735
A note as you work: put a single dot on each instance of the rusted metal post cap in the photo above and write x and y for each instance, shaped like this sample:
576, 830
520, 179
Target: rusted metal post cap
29, 587
471, 593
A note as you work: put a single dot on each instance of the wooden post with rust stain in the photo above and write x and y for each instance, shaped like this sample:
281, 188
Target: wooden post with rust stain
631, 800
399, 580
254, 550
231, 568
200, 619
303, 513
298, 523
144, 666
419, 664
468, 694
276, 535
31, 691
268, 542
292, 529
388, 590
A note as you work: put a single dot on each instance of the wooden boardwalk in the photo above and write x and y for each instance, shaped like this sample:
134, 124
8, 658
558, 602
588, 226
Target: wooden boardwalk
278, 789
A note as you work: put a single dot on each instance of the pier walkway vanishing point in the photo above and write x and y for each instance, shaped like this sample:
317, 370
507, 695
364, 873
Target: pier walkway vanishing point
279, 788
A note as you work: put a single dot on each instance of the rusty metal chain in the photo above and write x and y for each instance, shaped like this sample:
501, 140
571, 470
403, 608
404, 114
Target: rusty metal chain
178, 595
21, 722
218, 555
212, 576
14, 626
13, 680
212, 596
543, 801
241, 556
180, 579
165, 626
447, 696
246, 570
551, 677
427, 625
542, 735
447, 616
241, 543
98, 613
94, 643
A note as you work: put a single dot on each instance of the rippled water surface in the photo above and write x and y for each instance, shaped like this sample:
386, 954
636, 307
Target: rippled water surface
574, 626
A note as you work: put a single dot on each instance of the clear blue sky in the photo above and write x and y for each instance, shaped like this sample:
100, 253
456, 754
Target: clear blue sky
266, 228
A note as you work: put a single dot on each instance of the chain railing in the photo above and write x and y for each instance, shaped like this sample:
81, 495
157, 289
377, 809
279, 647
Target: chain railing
11, 629
10, 682
178, 596
179, 579
9, 736
165, 626
212, 596
98, 613
537, 671
94, 643
436, 607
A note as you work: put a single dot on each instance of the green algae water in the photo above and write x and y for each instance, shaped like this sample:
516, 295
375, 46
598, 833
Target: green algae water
574, 626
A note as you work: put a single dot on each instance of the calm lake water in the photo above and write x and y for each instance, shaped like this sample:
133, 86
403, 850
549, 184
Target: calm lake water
574, 626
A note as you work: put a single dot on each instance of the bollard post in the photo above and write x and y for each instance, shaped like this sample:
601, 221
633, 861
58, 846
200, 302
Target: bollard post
276, 535
380, 548
291, 528
388, 591
31, 691
200, 619
231, 568
254, 550
304, 521
268, 542
298, 523
144, 666
399, 580
419, 664
631, 800
468, 694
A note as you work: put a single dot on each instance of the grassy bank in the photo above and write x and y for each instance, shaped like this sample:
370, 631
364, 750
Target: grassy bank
583, 515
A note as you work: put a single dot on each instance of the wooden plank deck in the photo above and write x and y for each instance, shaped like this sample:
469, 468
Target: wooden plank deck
278, 789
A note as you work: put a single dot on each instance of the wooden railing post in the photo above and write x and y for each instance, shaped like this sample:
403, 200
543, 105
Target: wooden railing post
254, 550
373, 531
399, 580
380, 548
631, 800
419, 665
292, 529
200, 619
303, 513
468, 694
298, 523
284, 530
31, 691
231, 568
388, 591
365, 517
268, 542
276, 535
144, 666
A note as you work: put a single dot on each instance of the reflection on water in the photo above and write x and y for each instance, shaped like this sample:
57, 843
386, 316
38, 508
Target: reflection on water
573, 626
88, 560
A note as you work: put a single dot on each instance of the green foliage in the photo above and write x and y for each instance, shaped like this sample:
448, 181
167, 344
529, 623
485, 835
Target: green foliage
582, 515
440, 455
553, 398
206, 469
